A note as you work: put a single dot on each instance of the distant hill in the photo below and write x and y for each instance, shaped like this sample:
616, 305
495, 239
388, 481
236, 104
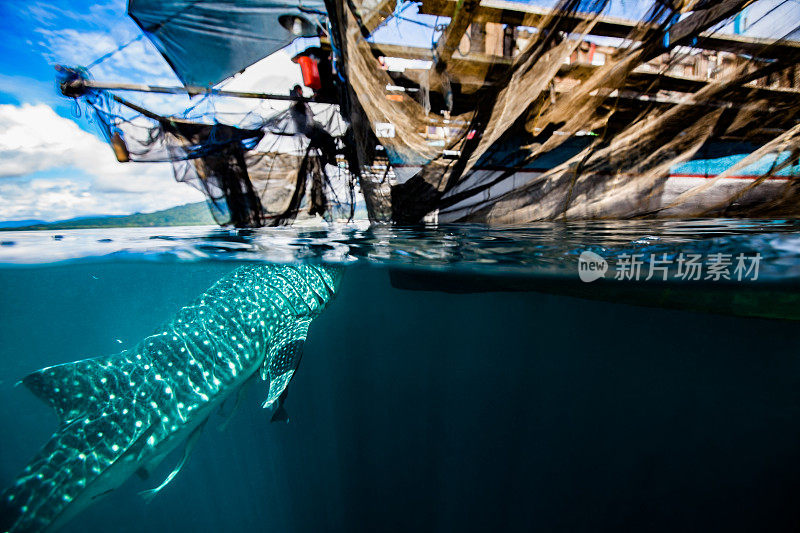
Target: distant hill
196, 214
13, 224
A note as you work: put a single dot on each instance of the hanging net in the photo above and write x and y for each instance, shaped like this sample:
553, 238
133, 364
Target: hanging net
496, 112
520, 113
267, 173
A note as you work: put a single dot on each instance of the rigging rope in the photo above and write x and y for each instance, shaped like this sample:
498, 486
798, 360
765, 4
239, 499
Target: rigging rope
112, 52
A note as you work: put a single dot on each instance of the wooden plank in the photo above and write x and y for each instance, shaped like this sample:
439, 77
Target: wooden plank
518, 14
468, 70
462, 16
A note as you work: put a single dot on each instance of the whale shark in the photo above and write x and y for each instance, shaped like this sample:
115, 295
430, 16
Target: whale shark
122, 414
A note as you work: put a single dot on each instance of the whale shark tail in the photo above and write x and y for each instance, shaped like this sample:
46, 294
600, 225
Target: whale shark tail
87, 441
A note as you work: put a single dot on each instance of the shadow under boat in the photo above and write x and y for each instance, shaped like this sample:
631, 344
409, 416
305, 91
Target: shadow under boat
759, 299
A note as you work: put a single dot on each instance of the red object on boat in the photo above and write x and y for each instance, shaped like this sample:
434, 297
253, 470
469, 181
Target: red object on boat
308, 66
592, 48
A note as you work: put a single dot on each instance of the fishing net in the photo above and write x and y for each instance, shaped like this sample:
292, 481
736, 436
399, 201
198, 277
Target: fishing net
522, 113
265, 174
502, 113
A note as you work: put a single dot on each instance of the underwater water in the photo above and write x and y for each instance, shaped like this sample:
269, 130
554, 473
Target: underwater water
462, 378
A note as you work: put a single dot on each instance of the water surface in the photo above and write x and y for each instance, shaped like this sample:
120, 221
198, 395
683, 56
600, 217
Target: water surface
464, 378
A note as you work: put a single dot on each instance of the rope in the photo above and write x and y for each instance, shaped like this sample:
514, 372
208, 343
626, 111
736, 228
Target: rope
148, 30
112, 52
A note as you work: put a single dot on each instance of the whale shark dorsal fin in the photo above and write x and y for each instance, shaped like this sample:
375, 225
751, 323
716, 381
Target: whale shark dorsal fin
72, 389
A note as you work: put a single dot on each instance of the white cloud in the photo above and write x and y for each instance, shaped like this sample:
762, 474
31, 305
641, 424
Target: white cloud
51, 169
138, 61
63, 198
98, 14
83, 177
79, 37
34, 138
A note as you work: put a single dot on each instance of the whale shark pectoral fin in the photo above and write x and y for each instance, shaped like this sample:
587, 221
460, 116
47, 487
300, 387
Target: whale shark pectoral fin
277, 386
281, 362
285, 349
148, 495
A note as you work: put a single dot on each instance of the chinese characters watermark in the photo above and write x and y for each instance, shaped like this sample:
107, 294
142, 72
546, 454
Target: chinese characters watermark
663, 267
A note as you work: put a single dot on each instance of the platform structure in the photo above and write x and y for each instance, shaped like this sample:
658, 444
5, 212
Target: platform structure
483, 39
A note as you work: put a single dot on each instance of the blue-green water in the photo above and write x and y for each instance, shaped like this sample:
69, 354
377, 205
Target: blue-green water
463, 379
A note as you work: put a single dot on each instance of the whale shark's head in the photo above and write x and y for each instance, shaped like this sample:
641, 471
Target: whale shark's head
317, 283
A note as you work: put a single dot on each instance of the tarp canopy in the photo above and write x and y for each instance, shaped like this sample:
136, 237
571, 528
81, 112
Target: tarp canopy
207, 41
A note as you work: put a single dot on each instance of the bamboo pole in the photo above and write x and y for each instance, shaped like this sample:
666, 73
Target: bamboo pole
194, 91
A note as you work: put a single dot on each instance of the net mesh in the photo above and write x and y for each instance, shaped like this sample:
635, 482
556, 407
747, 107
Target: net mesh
510, 113
537, 130
266, 174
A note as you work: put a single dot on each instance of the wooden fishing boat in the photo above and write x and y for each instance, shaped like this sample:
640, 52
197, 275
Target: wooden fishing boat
514, 113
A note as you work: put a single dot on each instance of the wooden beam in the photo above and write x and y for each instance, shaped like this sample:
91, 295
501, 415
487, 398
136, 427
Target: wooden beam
518, 14
373, 12
461, 17
468, 71
682, 32
649, 82
425, 54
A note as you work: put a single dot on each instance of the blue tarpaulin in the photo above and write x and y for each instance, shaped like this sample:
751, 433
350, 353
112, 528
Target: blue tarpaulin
207, 41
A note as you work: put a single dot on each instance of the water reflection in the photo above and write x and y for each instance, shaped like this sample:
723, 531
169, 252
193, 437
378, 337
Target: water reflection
548, 248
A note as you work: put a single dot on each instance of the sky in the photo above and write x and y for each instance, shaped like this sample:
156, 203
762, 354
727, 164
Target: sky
54, 164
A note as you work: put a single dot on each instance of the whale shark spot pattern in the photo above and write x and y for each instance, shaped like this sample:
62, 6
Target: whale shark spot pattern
124, 412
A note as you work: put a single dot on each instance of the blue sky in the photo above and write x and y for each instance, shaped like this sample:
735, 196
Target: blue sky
53, 164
